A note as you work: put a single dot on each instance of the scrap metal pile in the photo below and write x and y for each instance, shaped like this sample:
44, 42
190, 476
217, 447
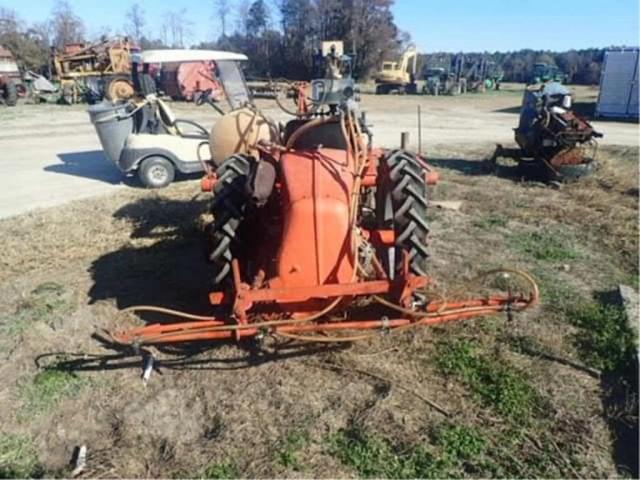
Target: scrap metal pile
318, 236
91, 71
555, 142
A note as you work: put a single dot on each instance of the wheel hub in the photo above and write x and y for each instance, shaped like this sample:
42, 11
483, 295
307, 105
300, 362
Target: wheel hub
158, 174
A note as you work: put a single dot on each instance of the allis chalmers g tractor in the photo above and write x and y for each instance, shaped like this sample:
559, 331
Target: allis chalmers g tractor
317, 236
555, 143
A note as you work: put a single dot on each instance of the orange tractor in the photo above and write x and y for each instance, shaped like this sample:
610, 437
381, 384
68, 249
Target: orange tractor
317, 236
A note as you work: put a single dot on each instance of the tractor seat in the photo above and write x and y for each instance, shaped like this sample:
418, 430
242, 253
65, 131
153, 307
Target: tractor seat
171, 123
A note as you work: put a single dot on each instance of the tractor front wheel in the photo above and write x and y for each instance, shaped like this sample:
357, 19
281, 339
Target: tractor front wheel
11, 94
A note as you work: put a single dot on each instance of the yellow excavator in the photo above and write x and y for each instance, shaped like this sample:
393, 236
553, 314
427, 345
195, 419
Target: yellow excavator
399, 76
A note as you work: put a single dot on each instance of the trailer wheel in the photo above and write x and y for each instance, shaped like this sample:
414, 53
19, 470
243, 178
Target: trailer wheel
11, 94
405, 209
156, 172
228, 207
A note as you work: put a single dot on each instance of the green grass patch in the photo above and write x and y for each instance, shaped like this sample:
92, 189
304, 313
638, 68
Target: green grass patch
459, 443
48, 302
289, 448
604, 340
556, 295
47, 388
454, 449
219, 471
491, 222
491, 379
18, 457
375, 457
547, 246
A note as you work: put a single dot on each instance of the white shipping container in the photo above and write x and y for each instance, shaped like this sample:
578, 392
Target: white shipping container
618, 96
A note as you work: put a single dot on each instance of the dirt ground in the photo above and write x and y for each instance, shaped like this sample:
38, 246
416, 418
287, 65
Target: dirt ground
51, 154
550, 393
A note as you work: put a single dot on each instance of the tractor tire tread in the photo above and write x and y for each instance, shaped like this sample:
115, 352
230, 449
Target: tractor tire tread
408, 192
228, 207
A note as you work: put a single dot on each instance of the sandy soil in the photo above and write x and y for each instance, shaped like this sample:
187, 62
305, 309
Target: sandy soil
51, 154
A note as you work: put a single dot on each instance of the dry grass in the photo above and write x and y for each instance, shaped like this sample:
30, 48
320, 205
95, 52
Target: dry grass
230, 411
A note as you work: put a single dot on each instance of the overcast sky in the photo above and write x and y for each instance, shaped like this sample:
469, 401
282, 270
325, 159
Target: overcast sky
435, 25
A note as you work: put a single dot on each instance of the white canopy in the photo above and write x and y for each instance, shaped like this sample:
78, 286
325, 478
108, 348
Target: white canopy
184, 55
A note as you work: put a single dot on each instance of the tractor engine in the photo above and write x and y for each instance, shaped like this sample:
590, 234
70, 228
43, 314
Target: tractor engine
316, 206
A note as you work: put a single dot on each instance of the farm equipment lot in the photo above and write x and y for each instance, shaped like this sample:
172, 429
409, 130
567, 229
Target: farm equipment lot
52, 153
542, 395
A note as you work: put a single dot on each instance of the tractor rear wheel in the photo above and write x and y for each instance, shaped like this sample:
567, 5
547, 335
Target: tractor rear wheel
11, 94
405, 209
119, 89
229, 208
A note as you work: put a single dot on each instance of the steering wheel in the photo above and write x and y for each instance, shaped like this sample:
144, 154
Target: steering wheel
204, 97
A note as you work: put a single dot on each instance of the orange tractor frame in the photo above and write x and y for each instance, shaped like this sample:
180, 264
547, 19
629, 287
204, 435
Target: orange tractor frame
315, 235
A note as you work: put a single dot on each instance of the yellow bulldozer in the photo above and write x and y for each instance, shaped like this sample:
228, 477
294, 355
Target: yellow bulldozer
89, 72
398, 76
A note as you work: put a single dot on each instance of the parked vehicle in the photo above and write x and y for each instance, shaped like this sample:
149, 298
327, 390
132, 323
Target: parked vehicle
143, 135
398, 76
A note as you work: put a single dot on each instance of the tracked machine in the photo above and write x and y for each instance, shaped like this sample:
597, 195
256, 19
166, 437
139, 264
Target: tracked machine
555, 143
317, 236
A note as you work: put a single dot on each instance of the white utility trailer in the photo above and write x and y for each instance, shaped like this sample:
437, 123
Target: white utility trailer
618, 96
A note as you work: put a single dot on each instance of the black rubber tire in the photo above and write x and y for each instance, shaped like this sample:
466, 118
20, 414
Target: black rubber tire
156, 172
11, 94
409, 201
67, 96
383, 89
229, 206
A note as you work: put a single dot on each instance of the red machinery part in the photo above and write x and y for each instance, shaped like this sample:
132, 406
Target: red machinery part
208, 330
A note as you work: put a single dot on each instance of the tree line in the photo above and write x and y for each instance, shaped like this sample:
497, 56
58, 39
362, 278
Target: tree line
280, 38
582, 67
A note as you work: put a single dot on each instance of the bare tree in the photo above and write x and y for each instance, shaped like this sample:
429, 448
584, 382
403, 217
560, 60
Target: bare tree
135, 22
242, 13
222, 10
66, 25
103, 33
176, 28
8, 21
